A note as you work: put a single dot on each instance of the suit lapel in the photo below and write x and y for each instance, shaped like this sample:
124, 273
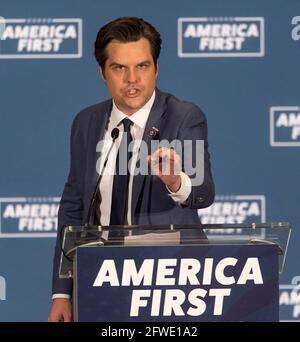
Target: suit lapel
154, 120
96, 131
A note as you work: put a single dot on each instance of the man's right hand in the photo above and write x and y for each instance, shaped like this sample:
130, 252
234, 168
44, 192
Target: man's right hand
61, 310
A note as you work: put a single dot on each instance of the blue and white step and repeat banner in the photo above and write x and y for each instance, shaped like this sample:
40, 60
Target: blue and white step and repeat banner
238, 60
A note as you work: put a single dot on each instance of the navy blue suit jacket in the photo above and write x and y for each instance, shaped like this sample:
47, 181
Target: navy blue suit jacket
151, 204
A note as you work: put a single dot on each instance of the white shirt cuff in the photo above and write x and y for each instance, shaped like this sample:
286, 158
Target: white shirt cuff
184, 191
61, 295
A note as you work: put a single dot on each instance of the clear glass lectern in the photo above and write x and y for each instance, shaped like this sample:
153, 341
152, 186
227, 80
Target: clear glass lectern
72, 237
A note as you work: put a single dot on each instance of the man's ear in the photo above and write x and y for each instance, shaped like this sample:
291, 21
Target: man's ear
102, 74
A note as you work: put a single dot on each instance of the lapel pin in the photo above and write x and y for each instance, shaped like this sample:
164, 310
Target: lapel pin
153, 131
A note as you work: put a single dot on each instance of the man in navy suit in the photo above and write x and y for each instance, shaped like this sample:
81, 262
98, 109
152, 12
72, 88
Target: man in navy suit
127, 50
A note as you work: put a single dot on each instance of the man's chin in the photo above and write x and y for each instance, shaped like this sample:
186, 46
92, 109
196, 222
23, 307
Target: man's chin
134, 106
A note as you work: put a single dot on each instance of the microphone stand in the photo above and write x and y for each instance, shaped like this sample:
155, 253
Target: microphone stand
114, 134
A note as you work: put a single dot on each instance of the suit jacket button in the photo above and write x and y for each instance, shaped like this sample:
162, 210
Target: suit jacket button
199, 200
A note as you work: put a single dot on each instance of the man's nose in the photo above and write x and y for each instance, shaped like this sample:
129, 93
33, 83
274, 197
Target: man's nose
132, 76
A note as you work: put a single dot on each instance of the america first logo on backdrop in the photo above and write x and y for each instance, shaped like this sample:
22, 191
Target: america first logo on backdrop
2, 288
41, 38
221, 37
29, 217
289, 301
285, 126
235, 210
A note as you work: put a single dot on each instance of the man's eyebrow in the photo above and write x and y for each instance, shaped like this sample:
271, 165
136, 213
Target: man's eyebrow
116, 64
147, 61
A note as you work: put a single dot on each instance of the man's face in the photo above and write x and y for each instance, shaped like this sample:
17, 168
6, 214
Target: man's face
130, 74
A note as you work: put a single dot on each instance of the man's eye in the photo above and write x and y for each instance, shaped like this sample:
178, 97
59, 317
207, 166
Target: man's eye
119, 67
142, 66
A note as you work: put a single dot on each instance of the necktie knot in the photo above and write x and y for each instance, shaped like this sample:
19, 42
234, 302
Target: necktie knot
127, 123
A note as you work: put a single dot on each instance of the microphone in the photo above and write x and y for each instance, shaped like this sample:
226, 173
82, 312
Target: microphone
114, 134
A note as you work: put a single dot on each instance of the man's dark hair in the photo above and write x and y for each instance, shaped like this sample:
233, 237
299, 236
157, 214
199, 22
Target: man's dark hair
125, 30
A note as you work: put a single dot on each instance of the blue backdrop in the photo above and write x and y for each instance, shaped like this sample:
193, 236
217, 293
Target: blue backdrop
237, 60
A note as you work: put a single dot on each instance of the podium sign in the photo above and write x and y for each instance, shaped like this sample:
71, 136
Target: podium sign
185, 283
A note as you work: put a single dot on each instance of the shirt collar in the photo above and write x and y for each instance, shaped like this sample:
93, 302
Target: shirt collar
139, 118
